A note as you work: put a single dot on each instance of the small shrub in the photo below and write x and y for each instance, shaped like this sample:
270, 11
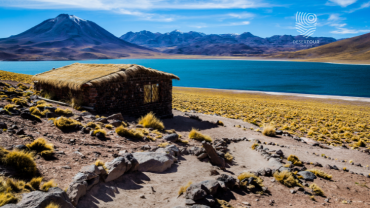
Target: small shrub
100, 131
184, 188
287, 178
295, 160
21, 161
109, 126
228, 157
66, 123
316, 189
163, 145
150, 121
7, 198
41, 147
320, 173
243, 182
122, 131
220, 123
254, 146
47, 185
34, 184
19, 101
63, 112
269, 130
53, 205
194, 134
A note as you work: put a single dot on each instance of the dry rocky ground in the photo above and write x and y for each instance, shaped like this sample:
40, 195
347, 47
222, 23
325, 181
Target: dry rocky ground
74, 149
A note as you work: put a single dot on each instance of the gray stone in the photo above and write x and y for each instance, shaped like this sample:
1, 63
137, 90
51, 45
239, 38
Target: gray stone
40, 199
195, 192
76, 190
153, 161
274, 163
228, 180
307, 175
117, 116
174, 151
91, 171
171, 137
211, 186
213, 156
202, 156
92, 182
120, 165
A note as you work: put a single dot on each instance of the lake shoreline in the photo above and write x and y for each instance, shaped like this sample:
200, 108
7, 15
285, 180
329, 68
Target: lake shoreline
314, 96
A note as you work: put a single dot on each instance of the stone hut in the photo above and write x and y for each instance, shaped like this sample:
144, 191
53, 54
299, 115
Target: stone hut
108, 88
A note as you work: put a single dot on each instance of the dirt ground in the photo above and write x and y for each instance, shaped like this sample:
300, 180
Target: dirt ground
74, 150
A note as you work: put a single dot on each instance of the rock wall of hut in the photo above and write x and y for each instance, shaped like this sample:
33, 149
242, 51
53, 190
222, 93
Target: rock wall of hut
125, 97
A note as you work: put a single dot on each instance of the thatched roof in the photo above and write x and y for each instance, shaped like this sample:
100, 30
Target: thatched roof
74, 76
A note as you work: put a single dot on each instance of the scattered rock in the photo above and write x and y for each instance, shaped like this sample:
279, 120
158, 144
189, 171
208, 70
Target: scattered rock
171, 137
213, 156
307, 175
153, 161
40, 199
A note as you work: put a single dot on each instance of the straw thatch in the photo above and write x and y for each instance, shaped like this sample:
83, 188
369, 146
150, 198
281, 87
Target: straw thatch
74, 76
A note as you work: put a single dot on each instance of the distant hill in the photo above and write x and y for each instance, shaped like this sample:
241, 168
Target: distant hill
195, 43
356, 48
67, 37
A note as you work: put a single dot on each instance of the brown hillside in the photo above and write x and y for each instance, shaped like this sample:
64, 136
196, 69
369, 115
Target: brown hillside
356, 48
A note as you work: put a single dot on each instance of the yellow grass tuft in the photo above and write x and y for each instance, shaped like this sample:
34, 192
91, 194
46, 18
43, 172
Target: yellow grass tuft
316, 189
269, 130
295, 160
9, 106
228, 157
122, 131
246, 175
7, 198
321, 173
184, 188
66, 123
184, 141
47, 185
25, 78
195, 134
34, 184
220, 123
53, 205
109, 126
254, 146
19, 101
287, 178
150, 121
21, 161
63, 111
100, 131
40, 146
164, 144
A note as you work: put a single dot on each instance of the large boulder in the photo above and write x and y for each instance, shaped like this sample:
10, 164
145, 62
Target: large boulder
120, 165
170, 149
153, 161
40, 199
91, 171
76, 190
307, 175
171, 137
213, 156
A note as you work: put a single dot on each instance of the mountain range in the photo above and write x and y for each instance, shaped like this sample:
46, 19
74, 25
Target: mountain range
246, 44
67, 37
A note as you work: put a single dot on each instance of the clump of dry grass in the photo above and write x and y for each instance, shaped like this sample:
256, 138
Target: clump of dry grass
9, 106
36, 112
150, 121
195, 134
109, 126
122, 131
184, 188
63, 111
20, 101
7, 198
287, 178
21, 161
47, 185
100, 163
269, 130
316, 189
41, 147
295, 160
99, 131
254, 146
164, 144
34, 184
53, 205
245, 175
25, 78
66, 123
321, 173
220, 123
228, 157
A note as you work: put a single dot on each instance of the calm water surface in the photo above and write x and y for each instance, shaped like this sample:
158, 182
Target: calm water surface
275, 76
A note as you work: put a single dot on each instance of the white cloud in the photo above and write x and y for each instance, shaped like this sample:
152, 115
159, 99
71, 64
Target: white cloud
239, 23
363, 6
343, 3
244, 15
348, 31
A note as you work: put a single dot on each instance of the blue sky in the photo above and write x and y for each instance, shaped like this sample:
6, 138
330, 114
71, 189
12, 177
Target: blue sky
264, 18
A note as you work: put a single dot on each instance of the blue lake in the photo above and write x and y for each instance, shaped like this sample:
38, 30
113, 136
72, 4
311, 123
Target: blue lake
275, 76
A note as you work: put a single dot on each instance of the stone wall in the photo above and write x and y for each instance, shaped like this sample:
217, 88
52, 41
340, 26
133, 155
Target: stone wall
125, 97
